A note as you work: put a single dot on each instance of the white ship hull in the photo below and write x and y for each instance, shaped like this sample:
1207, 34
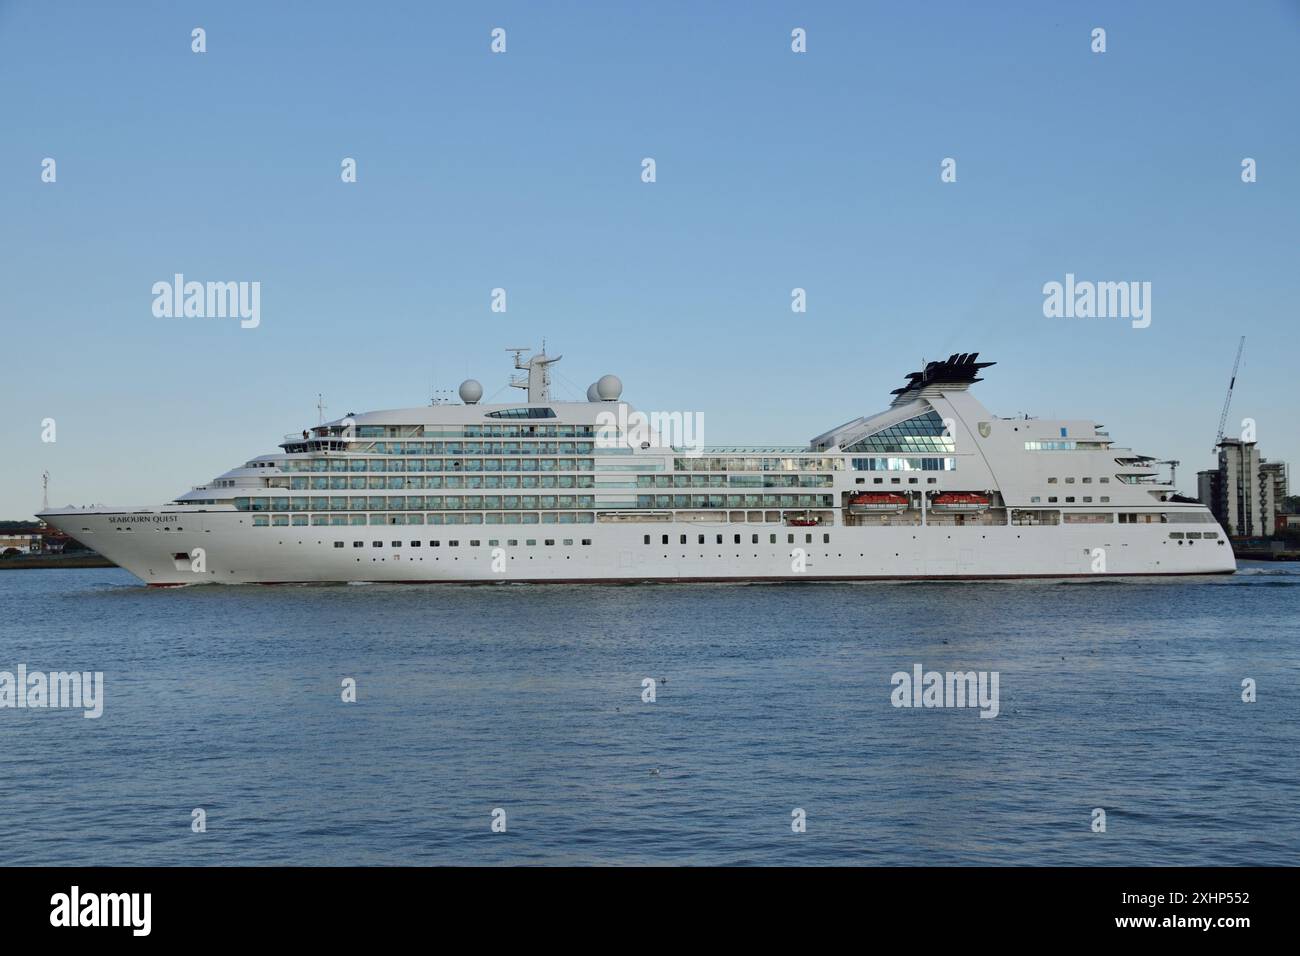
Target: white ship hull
233, 552
581, 492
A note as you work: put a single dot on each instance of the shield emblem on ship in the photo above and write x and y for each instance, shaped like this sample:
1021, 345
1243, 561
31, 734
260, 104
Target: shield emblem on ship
985, 428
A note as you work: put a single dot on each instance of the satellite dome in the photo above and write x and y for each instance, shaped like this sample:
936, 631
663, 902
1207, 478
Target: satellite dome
609, 388
592, 394
470, 391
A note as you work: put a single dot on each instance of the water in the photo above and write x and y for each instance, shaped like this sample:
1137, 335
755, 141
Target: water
1124, 695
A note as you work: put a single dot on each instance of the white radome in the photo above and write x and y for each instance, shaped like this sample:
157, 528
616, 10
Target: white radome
470, 391
609, 388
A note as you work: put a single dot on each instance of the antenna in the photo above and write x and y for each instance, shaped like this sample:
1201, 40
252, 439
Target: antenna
1223, 418
1173, 470
320, 408
538, 380
45, 491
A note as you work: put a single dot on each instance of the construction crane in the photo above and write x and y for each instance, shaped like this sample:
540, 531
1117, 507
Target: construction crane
1223, 418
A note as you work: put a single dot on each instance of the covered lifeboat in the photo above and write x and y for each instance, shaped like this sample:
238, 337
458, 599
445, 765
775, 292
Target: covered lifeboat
877, 503
959, 502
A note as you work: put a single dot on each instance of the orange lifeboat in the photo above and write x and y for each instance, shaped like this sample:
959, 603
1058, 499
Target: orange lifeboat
959, 502
877, 503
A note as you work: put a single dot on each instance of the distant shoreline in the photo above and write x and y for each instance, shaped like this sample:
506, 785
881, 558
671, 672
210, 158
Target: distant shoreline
89, 560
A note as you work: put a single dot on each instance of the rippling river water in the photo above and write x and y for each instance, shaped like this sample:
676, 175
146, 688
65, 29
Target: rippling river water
1123, 695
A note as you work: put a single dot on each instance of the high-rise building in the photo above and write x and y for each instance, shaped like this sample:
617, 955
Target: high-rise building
1276, 473
1245, 491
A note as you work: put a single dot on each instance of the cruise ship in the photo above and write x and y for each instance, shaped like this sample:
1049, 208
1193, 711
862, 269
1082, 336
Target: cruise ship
932, 487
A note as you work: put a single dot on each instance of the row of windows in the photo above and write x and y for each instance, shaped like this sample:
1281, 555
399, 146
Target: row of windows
483, 431
1069, 499
736, 539
896, 481
351, 465
1050, 446
904, 464
472, 543
734, 501
413, 502
758, 464
478, 448
358, 483
1194, 534
735, 481
523, 413
1066, 445
351, 520
1086, 481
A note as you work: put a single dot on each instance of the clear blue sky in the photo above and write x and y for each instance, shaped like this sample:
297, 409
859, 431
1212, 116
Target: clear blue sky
522, 171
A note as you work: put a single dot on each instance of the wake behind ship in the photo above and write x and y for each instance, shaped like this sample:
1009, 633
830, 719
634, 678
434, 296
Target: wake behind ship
934, 486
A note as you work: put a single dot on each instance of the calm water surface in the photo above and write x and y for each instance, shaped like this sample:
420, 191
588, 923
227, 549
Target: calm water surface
1124, 695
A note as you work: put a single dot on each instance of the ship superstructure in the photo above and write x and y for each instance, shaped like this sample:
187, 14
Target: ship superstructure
934, 486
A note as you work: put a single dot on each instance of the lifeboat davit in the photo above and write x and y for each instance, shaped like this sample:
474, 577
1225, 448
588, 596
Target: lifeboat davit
877, 502
954, 501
